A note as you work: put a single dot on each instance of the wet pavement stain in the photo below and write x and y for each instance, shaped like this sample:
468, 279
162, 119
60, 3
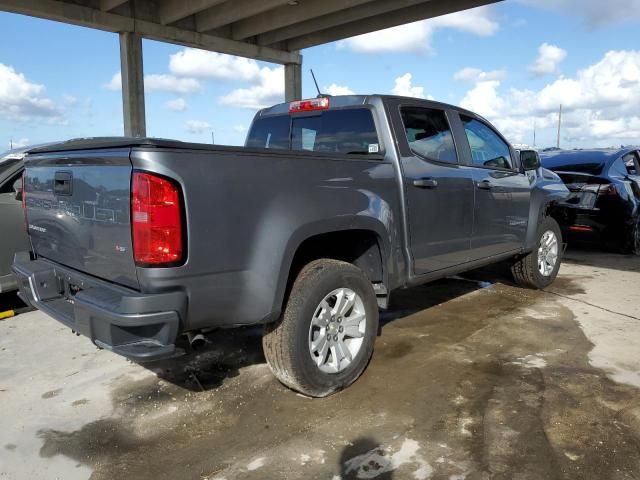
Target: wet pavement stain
52, 393
569, 285
463, 385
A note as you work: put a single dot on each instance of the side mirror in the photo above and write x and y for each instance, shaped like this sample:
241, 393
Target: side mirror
17, 189
530, 160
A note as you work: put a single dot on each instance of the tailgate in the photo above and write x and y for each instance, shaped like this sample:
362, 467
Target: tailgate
78, 211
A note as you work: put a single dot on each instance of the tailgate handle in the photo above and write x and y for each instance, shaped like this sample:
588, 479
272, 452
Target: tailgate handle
62, 183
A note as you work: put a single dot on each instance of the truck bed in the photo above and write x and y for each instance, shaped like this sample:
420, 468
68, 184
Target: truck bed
245, 212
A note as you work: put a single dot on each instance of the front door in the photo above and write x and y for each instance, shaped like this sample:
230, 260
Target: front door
438, 189
502, 192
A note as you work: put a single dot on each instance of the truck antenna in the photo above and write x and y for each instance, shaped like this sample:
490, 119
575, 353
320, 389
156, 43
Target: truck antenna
316, 82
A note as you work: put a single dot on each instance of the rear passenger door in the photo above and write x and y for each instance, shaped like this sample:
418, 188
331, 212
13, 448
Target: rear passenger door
502, 191
438, 188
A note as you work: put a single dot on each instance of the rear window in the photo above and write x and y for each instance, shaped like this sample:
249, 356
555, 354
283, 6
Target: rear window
350, 131
270, 132
576, 161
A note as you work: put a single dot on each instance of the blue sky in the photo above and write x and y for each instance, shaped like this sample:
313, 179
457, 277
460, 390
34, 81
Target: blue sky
513, 62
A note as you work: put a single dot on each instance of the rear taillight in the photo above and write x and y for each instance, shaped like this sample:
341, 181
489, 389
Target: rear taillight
607, 190
156, 219
599, 188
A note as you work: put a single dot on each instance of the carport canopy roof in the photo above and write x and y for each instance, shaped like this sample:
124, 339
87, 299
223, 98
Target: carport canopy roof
269, 30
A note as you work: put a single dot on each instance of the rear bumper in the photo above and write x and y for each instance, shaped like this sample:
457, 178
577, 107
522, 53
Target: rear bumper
8, 283
581, 220
594, 224
138, 326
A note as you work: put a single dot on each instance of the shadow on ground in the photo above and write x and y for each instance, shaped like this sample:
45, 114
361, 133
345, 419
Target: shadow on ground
10, 301
225, 352
589, 255
228, 350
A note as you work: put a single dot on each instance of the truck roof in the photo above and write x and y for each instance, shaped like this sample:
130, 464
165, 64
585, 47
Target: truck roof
341, 101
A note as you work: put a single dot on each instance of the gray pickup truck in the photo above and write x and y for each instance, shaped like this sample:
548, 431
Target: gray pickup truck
333, 203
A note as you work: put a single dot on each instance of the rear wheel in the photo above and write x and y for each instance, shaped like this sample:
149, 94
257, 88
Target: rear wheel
632, 245
325, 337
540, 268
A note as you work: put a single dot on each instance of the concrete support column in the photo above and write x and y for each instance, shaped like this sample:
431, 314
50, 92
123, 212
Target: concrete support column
132, 85
292, 82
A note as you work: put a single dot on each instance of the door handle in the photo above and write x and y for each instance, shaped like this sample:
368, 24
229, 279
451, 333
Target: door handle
425, 183
484, 185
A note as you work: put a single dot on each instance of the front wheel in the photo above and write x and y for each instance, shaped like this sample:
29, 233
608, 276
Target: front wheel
540, 267
324, 339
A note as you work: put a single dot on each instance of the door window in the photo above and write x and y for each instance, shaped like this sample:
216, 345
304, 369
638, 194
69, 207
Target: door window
428, 134
488, 150
632, 164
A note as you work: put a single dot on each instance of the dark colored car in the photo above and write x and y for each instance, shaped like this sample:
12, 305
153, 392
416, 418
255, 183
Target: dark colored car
14, 236
333, 204
604, 205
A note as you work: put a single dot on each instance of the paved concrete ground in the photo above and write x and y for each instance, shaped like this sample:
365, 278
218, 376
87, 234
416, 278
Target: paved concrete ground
468, 380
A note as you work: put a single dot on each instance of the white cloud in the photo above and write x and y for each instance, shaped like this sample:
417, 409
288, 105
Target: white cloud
197, 127
417, 36
549, 58
600, 103
160, 82
476, 75
266, 84
239, 128
115, 83
335, 89
70, 100
268, 90
191, 62
404, 87
177, 105
171, 83
22, 100
594, 12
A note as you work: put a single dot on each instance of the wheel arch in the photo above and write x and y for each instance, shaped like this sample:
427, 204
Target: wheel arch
362, 241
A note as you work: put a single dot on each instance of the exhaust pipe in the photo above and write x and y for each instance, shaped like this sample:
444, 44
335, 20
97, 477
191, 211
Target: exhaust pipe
196, 340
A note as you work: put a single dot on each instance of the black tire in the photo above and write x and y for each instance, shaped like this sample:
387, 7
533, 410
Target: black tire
632, 244
525, 269
286, 342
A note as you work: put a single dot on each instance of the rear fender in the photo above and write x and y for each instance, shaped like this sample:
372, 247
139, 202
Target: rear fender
547, 190
333, 225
